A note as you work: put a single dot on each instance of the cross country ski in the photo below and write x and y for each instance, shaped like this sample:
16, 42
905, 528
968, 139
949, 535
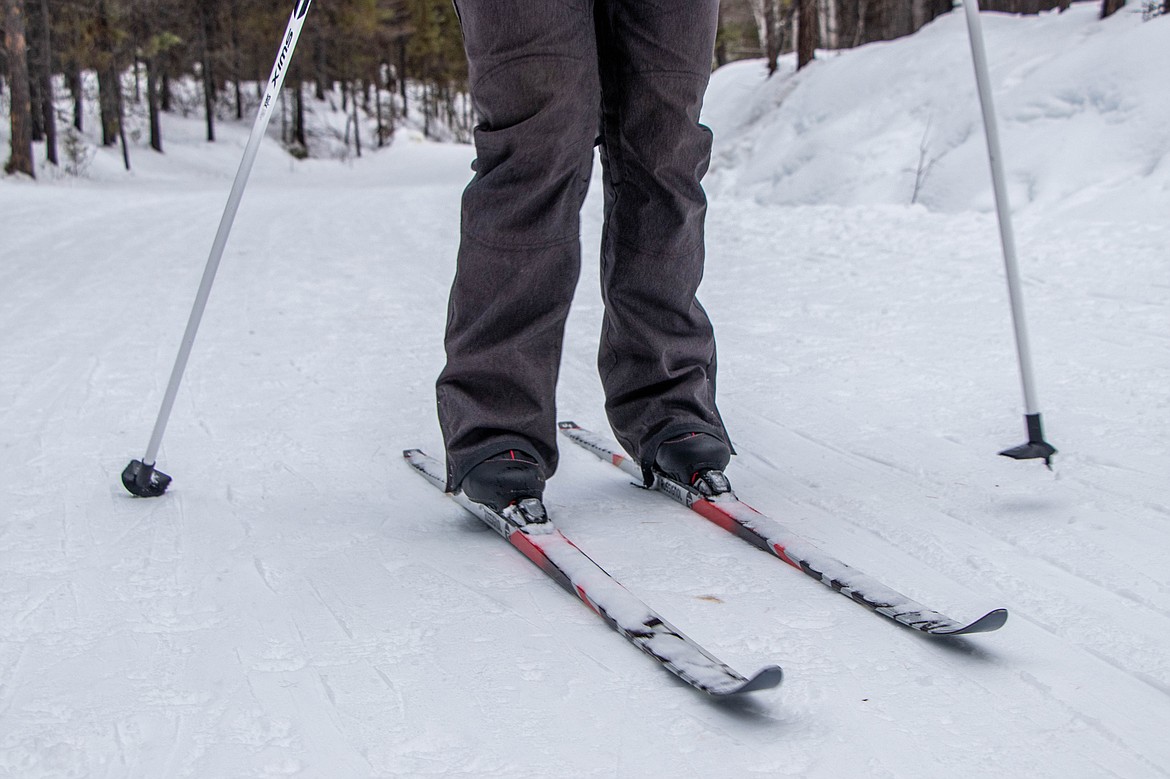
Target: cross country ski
733, 515
527, 527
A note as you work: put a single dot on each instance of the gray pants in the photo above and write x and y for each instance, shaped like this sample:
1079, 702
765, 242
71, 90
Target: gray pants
543, 74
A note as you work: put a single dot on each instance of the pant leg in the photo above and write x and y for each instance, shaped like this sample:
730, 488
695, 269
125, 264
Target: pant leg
657, 353
534, 82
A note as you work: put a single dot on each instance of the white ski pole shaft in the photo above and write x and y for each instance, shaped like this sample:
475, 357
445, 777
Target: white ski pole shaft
275, 81
1002, 205
1036, 447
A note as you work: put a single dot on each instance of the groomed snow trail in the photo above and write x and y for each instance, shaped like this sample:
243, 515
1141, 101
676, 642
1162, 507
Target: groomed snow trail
299, 603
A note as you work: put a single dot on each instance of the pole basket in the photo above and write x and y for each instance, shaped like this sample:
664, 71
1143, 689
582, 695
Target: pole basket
1036, 448
143, 480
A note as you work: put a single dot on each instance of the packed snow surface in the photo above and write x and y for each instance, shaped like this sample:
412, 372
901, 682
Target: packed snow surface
300, 603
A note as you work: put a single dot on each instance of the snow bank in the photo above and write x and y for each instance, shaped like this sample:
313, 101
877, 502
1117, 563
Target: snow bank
1082, 107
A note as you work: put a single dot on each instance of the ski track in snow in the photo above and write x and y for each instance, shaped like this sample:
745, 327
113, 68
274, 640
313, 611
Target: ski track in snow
299, 603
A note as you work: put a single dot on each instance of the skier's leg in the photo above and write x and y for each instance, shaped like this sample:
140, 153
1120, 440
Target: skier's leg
657, 353
533, 74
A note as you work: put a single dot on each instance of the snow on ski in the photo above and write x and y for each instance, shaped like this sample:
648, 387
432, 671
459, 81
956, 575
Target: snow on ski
737, 517
528, 529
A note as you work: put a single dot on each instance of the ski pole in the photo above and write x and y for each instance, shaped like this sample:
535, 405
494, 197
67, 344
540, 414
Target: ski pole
1036, 447
140, 477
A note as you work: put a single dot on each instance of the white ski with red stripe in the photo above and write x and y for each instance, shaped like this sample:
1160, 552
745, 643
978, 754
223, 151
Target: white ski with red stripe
733, 515
527, 528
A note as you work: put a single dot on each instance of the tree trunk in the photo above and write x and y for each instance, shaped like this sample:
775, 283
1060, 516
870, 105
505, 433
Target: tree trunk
757, 8
237, 75
1110, 7
825, 13
319, 65
771, 39
21, 159
299, 115
806, 45
900, 18
122, 127
36, 99
859, 35
47, 85
402, 72
108, 87
378, 108
205, 44
426, 110
152, 104
35, 59
73, 80
357, 133
108, 83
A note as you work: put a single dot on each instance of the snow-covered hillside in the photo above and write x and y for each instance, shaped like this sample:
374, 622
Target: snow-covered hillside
300, 603
1082, 106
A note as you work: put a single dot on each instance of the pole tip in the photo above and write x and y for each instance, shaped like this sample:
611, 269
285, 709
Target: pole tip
143, 480
1033, 450
1036, 448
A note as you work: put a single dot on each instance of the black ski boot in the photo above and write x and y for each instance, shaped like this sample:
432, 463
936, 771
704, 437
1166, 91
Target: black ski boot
504, 479
696, 460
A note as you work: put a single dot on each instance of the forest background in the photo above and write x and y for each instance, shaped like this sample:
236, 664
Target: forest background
385, 60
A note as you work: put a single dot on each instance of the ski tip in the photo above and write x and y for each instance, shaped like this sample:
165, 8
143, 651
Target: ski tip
765, 679
568, 425
992, 620
410, 454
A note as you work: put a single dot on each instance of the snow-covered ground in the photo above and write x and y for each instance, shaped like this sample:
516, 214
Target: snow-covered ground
300, 603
